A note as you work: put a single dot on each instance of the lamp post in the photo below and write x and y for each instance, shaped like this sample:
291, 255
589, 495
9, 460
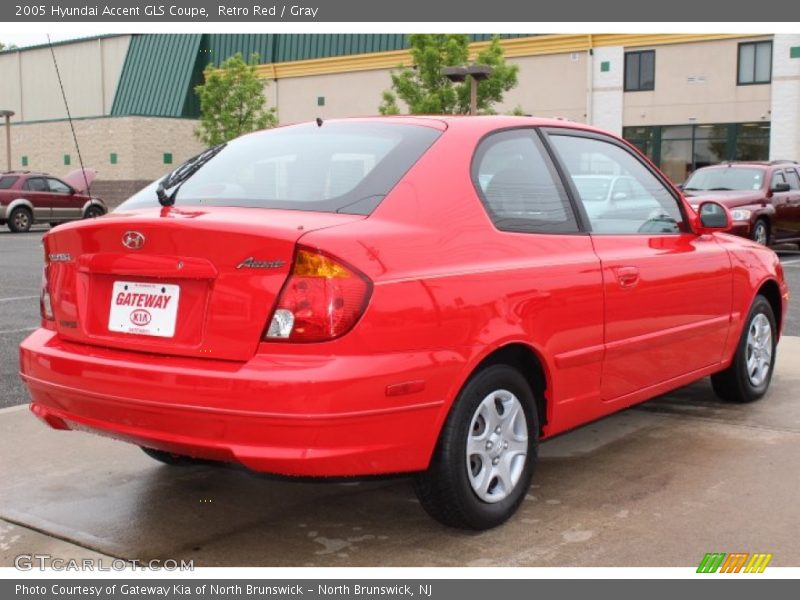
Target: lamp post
8, 114
476, 73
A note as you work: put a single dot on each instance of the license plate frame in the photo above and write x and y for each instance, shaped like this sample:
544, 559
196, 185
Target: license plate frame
144, 308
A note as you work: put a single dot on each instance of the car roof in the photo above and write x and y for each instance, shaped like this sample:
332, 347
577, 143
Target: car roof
479, 123
753, 163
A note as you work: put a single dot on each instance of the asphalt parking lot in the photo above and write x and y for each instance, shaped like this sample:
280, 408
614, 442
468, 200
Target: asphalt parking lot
657, 485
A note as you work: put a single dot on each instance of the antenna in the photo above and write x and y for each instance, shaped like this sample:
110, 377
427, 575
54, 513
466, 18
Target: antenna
69, 116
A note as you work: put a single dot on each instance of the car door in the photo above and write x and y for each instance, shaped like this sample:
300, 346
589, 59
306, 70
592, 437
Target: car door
667, 291
792, 219
781, 200
36, 192
66, 205
548, 283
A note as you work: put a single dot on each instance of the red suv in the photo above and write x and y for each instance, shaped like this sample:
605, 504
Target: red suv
763, 197
27, 198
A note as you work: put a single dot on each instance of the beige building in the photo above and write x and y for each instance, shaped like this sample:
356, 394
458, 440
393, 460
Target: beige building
686, 100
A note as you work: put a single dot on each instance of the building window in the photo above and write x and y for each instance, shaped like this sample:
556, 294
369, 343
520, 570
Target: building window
755, 63
680, 149
24, 161
67, 160
167, 158
112, 158
640, 71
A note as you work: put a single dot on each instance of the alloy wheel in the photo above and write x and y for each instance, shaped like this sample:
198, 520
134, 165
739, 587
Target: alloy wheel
497, 446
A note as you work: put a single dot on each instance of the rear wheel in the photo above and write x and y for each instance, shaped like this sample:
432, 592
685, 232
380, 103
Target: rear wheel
760, 233
168, 458
484, 460
748, 377
93, 212
20, 219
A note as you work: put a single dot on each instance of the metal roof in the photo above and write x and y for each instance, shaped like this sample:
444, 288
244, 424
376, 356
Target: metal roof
157, 75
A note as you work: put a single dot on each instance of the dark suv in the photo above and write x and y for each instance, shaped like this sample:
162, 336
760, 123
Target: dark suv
763, 197
27, 198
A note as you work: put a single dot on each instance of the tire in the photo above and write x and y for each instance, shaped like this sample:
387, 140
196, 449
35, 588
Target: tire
167, 458
741, 382
20, 219
93, 212
450, 490
760, 233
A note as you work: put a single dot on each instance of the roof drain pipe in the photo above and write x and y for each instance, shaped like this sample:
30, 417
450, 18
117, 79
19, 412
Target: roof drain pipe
589, 82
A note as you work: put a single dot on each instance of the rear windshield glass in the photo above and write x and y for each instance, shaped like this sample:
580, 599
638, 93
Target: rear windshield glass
335, 167
726, 178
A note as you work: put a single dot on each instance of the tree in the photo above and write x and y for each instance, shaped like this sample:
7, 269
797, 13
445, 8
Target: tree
7, 47
425, 90
232, 101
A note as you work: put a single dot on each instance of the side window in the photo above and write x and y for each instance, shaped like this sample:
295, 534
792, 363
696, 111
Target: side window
58, 187
518, 185
794, 179
36, 184
637, 201
777, 177
7, 182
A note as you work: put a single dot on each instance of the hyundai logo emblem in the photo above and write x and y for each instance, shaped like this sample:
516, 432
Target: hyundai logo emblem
133, 240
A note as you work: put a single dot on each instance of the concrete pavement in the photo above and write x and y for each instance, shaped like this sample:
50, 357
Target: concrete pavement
657, 485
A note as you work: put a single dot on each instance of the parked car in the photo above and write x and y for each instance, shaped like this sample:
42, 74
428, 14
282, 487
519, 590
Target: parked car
27, 198
394, 295
763, 197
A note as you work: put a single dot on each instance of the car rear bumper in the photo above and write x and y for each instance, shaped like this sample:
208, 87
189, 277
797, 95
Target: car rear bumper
291, 415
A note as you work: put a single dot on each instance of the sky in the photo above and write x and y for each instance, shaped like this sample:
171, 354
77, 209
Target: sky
32, 39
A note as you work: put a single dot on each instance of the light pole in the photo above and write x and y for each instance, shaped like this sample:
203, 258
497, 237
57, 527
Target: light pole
8, 114
476, 73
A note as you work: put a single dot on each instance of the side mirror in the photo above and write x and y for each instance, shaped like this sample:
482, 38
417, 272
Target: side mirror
714, 217
781, 186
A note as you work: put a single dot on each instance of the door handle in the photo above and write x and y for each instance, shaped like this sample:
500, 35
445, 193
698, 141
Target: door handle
627, 277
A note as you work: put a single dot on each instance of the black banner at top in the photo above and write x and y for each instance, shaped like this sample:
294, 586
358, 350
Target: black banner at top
441, 11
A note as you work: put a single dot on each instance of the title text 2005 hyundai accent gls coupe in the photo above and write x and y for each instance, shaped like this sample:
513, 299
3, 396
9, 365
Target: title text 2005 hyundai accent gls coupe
372, 296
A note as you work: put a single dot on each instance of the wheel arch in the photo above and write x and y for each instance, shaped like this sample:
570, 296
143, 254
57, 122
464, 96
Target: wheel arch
771, 291
16, 203
93, 202
529, 363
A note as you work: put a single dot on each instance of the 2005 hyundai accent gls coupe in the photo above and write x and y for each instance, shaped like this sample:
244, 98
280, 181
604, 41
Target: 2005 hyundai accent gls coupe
396, 295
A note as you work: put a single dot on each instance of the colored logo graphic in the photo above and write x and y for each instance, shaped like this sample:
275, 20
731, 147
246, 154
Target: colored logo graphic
736, 562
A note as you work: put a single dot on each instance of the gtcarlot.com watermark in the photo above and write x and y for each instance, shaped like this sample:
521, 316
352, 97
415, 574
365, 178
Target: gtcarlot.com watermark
42, 562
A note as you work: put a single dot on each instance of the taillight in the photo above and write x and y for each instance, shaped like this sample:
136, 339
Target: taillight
322, 300
45, 304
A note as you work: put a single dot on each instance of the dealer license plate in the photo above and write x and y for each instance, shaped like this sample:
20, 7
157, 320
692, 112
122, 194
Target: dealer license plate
144, 308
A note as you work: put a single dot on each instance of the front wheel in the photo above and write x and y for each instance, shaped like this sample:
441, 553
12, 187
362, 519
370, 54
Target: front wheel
749, 375
483, 462
760, 232
93, 212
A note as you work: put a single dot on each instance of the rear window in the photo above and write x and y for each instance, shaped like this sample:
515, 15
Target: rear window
336, 167
7, 182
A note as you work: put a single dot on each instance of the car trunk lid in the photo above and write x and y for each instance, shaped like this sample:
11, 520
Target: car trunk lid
199, 282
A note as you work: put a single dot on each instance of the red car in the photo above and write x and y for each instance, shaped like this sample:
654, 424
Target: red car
395, 295
27, 198
763, 197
